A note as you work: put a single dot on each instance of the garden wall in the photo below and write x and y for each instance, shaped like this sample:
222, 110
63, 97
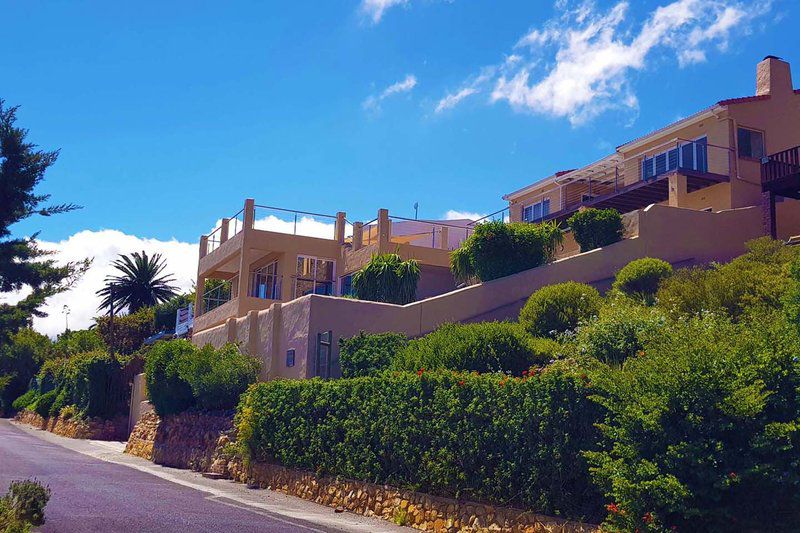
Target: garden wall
93, 428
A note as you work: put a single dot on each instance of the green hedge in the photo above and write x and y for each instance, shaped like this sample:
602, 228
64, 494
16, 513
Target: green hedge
180, 376
485, 437
595, 228
641, 278
482, 347
558, 308
365, 354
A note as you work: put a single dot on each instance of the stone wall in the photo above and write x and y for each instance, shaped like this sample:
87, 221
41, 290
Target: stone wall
186, 440
92, 428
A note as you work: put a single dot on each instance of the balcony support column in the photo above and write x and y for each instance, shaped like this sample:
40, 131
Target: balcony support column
768, 217
384, 230
339, 227
677, 190
224, 230
198, 295
203, 246
358, 235
249, 214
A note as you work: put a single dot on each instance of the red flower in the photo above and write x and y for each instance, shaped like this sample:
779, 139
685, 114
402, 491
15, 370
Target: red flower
524, 372
647, 518
420, 371
733, 476
640, 353
461, 383
612, 508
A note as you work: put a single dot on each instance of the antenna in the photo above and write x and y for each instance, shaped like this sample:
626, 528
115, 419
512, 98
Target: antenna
416, 210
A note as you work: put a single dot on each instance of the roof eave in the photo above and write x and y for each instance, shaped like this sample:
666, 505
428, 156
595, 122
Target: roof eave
666, 130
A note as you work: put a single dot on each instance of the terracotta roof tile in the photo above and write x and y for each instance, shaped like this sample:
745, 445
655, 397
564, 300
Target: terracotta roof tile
743, 99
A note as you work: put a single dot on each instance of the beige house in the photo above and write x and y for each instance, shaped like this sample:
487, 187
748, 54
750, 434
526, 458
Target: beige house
710, 161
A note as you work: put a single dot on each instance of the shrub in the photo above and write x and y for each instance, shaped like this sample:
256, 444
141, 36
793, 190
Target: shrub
497, 249
129, 331
701, 433
25, 502
554, 309
641, 278
43, 403
164, 313
619, 332
180, 376
218, 377
26, 400
20, 359
95, 386
167, 390
753, 281
74, 342
387, 278
595, 228
482, 347
479, 437
366, 354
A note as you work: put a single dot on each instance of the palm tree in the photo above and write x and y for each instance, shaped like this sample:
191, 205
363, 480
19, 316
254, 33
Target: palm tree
140, 284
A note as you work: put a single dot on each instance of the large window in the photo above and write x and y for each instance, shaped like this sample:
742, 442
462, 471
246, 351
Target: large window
313, 276
346, 285
265, 282
751, 143
536, 212
691, 155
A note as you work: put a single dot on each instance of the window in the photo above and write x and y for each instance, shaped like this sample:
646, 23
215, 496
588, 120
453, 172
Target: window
346, 285
265, 282
537, 211
313, 276
324, 363
691, 155
751, 143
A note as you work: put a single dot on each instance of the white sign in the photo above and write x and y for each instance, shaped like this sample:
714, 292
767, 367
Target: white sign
184, 320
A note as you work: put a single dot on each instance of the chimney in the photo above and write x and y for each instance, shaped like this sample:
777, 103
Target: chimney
773, 77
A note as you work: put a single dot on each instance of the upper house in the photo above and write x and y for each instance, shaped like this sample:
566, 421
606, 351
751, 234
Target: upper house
264, 255
736, 153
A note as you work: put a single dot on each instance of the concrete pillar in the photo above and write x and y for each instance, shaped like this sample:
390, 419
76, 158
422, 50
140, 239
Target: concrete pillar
515, 212
273, 356
768, 217
230, 324
203, 246
339, 227
198, 295
384, 230
249, 214
677, 190
224, 230
253, 349
358, 235
444, 238
243, 282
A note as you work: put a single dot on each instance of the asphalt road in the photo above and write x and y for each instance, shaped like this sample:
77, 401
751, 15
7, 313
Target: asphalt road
91, 494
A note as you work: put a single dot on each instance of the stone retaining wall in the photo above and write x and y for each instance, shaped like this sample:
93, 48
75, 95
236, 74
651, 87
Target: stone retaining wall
92, 428
186, 440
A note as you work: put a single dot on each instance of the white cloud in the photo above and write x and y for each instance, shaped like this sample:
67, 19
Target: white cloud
104, 246
453, 214
406, 85
453, 99
374, 9
579, 63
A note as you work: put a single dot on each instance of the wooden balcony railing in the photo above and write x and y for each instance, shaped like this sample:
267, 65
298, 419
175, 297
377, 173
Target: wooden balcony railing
780, 165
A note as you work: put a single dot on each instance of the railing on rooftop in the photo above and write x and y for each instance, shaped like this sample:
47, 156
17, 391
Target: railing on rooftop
222, 293
429, 234
295, 222
780, 165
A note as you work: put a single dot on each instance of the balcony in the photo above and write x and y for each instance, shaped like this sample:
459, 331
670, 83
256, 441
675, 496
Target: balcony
780, 173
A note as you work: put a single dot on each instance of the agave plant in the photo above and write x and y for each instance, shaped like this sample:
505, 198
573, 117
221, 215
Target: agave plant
140, 284
387, 278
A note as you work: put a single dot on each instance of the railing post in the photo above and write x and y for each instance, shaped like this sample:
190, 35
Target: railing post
384, 230
203, 246
444, 238
198, 295
249, 214
358, 235
339, 227
224, 230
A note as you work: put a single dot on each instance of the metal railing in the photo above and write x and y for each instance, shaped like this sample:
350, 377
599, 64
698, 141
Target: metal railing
370, 232
224, 292
265, 286
295, 222
236, 223
780, 165
214, 240
429, 234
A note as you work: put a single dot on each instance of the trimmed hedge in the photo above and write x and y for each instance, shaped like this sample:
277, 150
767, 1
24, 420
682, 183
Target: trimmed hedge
641, 278
180, 376
482, 347
485, 437
366, 354
558, 308
595, 228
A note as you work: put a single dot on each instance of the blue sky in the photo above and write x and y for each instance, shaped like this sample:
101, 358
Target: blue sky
169, 114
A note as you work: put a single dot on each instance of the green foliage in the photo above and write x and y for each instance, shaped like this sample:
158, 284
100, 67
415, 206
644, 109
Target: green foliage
558, 308
619, 331
23, 505
482, 347
128, 332
24, 266
756, 280
497, 249
366, 354
26, 400
141, 283
20, 359
43, 403
703, 431
75, 342
180, 376
165, 312
595, 228
484, 437
387, 278
641, 278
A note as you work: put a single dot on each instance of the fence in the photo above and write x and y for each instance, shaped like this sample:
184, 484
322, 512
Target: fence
294, 222
222, 293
